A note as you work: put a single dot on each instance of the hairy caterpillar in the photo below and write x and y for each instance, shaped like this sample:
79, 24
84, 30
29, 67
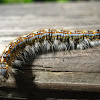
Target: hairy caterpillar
19, 51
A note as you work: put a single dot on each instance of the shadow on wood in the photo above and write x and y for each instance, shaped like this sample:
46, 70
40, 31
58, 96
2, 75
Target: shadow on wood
29, 88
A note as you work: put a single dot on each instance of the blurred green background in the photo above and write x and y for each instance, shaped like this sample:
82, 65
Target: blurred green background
29, 1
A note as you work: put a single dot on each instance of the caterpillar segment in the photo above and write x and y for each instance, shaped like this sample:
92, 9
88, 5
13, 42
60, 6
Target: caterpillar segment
49, 38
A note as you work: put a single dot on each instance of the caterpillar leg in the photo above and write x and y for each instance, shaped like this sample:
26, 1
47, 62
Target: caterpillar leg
3, 72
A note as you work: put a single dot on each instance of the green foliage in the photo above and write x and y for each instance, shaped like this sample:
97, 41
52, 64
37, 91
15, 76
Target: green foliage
28, 1
49, 0
63, 1
57, 0
16, 1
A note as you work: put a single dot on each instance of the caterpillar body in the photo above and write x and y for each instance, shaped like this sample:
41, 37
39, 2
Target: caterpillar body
19, 51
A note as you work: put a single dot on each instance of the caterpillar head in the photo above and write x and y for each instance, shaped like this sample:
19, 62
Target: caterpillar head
3, 72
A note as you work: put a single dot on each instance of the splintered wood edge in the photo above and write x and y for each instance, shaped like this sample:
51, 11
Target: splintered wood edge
63, 86
72, 81
69, 87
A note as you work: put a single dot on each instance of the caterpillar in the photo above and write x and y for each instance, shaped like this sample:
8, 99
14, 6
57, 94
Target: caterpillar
19, 52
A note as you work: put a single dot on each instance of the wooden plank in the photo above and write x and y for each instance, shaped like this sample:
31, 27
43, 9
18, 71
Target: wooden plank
75, 72
52, 78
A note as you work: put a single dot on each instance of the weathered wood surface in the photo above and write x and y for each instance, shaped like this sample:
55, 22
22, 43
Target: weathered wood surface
54, 72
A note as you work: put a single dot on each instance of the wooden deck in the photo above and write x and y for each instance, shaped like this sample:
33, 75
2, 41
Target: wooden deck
63, 75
